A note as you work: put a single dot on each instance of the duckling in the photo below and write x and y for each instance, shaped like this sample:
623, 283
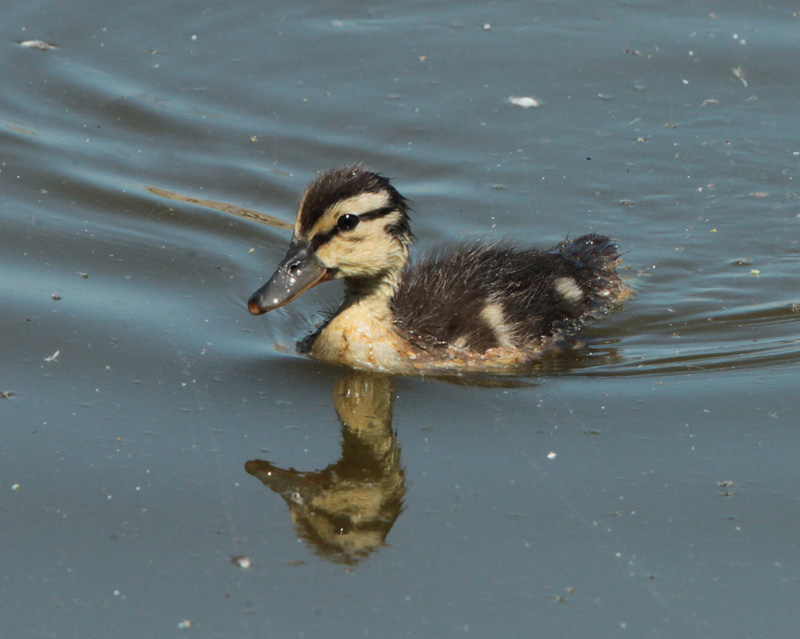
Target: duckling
475, 307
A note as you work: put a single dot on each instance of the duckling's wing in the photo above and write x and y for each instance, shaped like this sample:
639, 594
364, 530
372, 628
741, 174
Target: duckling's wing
440, 300
483, 296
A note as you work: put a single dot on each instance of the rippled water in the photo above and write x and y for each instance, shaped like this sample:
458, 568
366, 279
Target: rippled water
154, 430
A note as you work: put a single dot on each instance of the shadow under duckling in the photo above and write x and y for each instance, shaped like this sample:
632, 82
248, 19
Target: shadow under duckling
477, 307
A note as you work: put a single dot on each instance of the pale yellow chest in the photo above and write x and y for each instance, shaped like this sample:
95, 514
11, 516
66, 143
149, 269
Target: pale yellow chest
362, 339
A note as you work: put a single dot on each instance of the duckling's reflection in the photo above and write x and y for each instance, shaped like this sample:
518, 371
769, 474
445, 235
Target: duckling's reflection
346, 510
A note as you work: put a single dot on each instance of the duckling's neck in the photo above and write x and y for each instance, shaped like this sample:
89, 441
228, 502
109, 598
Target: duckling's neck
362, 332
372, 295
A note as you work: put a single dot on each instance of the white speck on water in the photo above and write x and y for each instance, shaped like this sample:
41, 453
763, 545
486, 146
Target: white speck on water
525, 102
37, 44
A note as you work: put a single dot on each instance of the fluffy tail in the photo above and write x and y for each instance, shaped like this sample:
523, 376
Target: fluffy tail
595, 259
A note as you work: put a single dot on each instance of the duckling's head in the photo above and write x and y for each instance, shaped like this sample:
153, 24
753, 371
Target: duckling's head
351, 224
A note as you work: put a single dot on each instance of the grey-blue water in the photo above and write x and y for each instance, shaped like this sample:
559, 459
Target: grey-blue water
154, 433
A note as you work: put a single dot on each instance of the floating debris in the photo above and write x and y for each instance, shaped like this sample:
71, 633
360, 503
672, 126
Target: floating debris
739, 73
53, 357
242, 562
55, 296
186, 624
231, 209
726, 488
37, 44
7, 394
526, 102
551, 455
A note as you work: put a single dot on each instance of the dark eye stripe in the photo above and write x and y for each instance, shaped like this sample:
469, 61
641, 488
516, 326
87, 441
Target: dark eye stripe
324, 238
372, 215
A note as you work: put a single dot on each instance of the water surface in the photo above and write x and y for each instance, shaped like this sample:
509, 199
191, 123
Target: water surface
646, 487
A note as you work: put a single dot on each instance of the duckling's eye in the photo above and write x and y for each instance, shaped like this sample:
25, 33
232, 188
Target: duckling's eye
348, 222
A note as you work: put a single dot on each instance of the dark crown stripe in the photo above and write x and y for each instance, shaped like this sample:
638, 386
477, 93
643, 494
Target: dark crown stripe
337, 185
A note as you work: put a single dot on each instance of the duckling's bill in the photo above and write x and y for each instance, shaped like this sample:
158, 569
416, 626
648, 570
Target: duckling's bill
298, 272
